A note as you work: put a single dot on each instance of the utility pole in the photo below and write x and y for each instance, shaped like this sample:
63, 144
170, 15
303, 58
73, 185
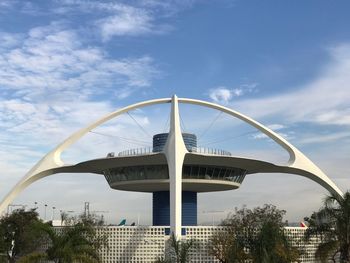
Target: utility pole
87, 209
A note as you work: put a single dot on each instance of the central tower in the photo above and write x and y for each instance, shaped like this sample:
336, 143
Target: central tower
161, 199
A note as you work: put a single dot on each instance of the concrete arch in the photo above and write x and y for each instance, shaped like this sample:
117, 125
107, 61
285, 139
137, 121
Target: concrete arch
298, 163
52, 163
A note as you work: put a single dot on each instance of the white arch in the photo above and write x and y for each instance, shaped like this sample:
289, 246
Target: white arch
52, 163
298, 163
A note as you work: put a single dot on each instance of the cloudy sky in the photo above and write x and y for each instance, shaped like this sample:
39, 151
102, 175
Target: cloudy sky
65, 63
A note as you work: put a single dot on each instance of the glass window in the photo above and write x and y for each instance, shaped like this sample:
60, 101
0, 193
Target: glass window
216, 172
202, 172
195, 171
186, 171
222, 173
209, 173
142, 175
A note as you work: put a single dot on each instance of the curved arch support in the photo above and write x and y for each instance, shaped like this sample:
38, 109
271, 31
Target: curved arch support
297, 160
52, 160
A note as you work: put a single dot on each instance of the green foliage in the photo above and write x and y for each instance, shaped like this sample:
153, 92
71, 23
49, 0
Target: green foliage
332, 225
18, 234
228, 246
77, 242
161, 260
179, 251
24, 238
256, 235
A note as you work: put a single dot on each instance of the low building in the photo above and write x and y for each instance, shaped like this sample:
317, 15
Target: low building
141, 244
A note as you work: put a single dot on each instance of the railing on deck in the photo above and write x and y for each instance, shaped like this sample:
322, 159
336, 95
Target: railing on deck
137, 151
212, 151
150, 150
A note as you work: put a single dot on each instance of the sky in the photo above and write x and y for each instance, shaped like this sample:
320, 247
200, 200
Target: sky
64, 64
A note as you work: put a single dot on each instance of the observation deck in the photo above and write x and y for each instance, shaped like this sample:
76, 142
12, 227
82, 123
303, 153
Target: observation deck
149, 171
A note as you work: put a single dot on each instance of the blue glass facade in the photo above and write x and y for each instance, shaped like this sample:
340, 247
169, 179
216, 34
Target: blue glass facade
161, 208
159, 141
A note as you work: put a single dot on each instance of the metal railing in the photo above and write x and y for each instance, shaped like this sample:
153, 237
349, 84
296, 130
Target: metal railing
212, 151
136, 151
150, 150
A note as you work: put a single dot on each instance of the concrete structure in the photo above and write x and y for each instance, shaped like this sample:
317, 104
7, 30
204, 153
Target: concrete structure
147, 243
174, 156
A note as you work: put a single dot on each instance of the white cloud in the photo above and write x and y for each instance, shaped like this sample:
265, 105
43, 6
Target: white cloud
276, 126
54, 58
8, 40
324, 100
53, 83
260, 136
336, 136
7, 3
221, 95
117, 19
224, 95
48, 85
264, 136
129, 22
168, 7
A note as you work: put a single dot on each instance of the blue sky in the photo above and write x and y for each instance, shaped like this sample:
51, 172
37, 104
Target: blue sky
65, 63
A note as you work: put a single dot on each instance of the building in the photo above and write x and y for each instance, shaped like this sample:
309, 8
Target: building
148, 243
152, 176
175, 170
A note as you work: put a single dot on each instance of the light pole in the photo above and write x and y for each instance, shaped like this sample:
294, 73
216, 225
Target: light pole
45, 212
53, 213
35, 205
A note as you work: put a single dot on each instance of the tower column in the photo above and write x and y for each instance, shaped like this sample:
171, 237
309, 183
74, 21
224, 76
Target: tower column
175, 151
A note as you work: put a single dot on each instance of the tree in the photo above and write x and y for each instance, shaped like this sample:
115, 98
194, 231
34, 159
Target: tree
270, 244
256, 235
332, 225
178, 251
77, 242
227, 246
18, 236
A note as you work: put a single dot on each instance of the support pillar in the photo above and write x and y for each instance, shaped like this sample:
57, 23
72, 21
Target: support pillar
175, 151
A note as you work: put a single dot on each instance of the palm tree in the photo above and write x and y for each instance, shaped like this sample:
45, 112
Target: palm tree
76, 243
332, 225
179, 250
73, 244
270, 244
